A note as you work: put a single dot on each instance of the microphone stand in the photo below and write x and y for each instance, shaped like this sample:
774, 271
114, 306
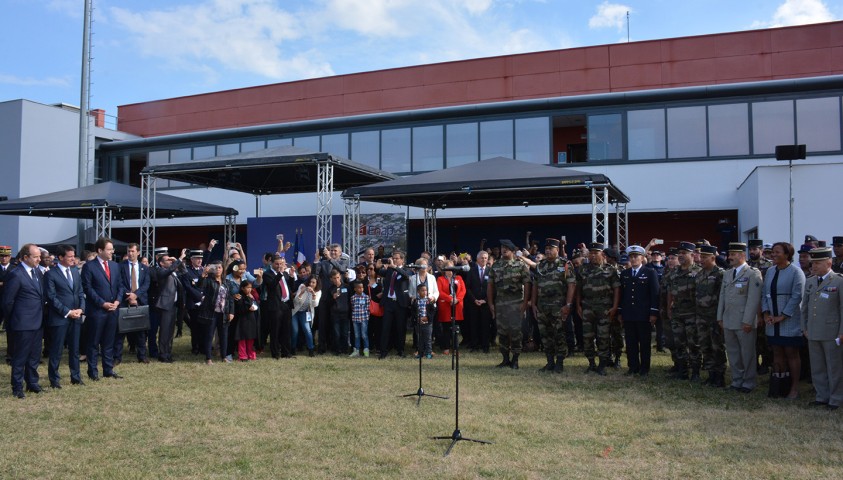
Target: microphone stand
420, 392
456, 436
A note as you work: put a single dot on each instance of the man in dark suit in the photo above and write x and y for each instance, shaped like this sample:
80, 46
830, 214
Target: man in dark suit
135, 276
104, 290
65, 299
5, 266
276, 311
23, 308
396, 301
478, 314
166, 304
638, 310
324, 263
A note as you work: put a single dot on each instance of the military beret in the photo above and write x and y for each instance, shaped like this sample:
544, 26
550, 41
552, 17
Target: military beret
821, 243
551, 242
634, 250
161, 251
820, 253
755, 243
810, 238
837, 240
5, 250
507, 244
687, 246
594, 246
672, 251
805, 248
197, 253
708, 250
657, 252
611, 253
737, 247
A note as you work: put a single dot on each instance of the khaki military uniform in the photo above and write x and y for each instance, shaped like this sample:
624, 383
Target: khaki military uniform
681, 286
596, 287
712, 346
552, 280
509, 278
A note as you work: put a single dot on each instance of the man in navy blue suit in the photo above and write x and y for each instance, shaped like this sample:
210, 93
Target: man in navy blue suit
65, 300
135, 277
104, 290
639, 310
23, 308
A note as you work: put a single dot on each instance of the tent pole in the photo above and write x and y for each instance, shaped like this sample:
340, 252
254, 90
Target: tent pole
351, 228
325, 194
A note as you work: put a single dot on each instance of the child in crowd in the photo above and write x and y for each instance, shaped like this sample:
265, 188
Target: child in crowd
245, 325
424, 311
338, 293
360, 320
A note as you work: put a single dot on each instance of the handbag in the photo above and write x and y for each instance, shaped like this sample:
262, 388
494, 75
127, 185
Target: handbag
133, 319
375, 308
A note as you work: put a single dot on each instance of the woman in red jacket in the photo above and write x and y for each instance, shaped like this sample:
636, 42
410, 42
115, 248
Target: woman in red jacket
444, 306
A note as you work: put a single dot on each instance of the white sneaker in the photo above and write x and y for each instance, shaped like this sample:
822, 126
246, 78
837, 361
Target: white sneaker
365, 352
355, 353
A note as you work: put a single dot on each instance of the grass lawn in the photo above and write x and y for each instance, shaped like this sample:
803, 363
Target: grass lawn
336, 417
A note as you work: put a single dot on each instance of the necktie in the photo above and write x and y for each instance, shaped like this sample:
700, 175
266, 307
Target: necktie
392, 285
107, 270
735, 274
283, 286
134, 274
69, 277
32, 274
481, 273
819, 281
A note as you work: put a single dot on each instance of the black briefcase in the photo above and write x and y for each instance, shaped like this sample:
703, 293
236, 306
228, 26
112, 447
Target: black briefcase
133, 319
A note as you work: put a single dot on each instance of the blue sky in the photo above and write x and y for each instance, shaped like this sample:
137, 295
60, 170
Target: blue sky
152, 49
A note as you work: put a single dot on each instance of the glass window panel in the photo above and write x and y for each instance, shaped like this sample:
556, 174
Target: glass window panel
686, 132
496, 139
336, 144
605, 137
309, 143
461, 143
366, 148
728, 130
532, 140
202, 153
428, 148
179, 155
395, 150
159, 158
279, 142
645, 134
772, 124
818, 123
252, 146
228, 149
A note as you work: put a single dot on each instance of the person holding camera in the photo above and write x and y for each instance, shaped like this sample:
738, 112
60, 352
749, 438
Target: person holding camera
215, 307
396, 301
324, 262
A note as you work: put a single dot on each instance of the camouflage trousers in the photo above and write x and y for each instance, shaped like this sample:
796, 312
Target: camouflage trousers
595, 323
712, 344
508, 318
616, 338
686, 340
552, 330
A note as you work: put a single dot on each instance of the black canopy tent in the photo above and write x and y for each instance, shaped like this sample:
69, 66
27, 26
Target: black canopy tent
277, 170
499, 182
105, 202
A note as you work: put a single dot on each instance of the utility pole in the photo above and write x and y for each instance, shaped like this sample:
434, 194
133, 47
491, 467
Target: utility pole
84, 119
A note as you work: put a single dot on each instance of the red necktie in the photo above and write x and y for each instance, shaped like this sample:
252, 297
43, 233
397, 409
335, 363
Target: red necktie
107, 271
283, 286
392, 284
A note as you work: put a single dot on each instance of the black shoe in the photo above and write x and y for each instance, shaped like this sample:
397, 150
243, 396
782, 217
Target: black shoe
695, 375
592, 367
832, 407
601, 368
745, 390
763, 370
719, 381
114, 375
514, 363
381, 356
617, 363
310, 353
401, 354
644, 374
549, 366
55, 386
505, 362
559, 367
117, 362
18, 394
77, 382
143, 360
817, 403
630, 373
34, 388
94, 379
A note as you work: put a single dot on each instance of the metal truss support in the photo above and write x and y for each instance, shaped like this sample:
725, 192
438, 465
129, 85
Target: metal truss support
351, 228
324, 194
147, 215
230, 232
430, 231
621, 226
102, 226
600, 215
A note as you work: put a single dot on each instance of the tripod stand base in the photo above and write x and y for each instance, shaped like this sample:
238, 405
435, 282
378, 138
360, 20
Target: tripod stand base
456, 437
421, 393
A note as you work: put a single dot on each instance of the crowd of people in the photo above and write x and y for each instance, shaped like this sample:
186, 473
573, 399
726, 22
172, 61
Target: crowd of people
710, 309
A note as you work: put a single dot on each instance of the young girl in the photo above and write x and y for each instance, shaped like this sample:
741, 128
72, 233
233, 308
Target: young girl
360, 320
245, 325
424, 311
304, 306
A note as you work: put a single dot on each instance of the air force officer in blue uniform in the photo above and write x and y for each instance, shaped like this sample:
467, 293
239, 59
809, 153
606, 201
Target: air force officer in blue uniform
639, 310
66, 302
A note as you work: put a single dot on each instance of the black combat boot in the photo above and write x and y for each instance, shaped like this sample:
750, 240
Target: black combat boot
591, 366
601, 368
505, 362
710, 379
719, 380
559, 367
616, 364
681, 372
695, 374
514, 364
549, 366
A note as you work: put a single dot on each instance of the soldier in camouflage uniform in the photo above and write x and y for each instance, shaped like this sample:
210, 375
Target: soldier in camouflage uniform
553, 280
756, 260
712, 346
682, 304
670, 267
598, 296
615, 327
509, 290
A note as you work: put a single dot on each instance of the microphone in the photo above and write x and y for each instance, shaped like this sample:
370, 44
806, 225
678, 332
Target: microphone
459, 268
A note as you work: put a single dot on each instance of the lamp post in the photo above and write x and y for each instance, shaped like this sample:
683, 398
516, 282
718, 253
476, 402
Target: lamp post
790, 153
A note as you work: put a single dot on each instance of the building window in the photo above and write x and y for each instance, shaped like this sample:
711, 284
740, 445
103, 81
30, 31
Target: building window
532, 140
496, 139
686, 132
252, 146
395, 150
199, 153
645, 134
336, 144
605, 137
308, 143
161, 157
461, 144
772, 124
428, 148
366, 148
228, 149
728, 130
818, 124
279, 142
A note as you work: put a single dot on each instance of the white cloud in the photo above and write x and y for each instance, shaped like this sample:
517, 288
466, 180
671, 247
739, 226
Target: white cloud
34, 82
72, 8
797, 12
609, 15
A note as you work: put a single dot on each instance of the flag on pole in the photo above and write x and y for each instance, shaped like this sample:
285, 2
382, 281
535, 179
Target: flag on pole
300, 257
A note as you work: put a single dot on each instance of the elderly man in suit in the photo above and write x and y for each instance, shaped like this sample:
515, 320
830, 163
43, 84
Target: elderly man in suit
104, 290
135, 277
23, 308
822, 325
396, 300
479, 316
737, 308
638, 310
166, 304
66, 301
